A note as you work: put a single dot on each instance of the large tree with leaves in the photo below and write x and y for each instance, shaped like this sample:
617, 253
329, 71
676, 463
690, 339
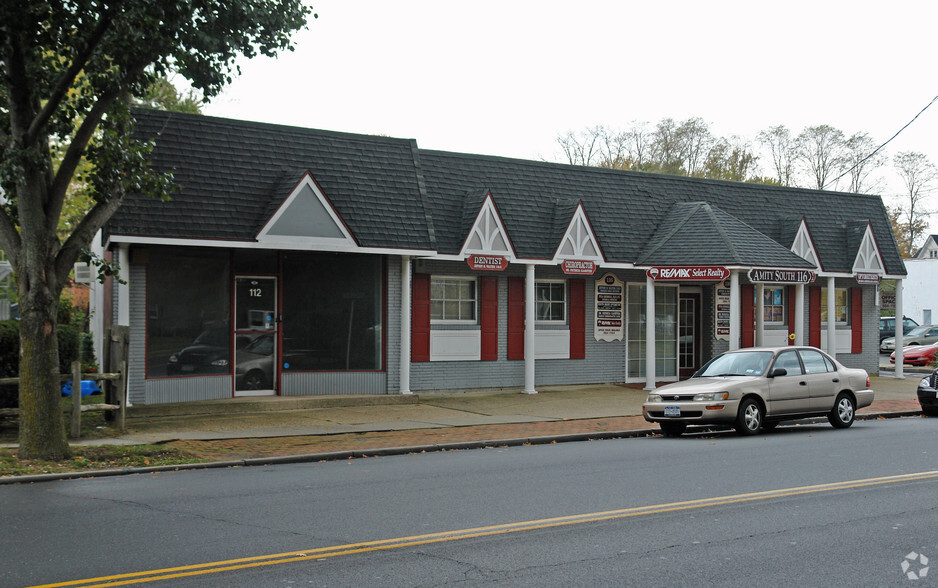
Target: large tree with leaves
69, 70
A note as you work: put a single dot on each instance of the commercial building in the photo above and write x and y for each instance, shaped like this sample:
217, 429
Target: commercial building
295, 262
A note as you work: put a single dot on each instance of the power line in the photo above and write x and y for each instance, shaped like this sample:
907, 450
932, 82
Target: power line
875, 151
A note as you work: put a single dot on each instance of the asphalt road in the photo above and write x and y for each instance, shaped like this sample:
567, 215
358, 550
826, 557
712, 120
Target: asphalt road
804, 505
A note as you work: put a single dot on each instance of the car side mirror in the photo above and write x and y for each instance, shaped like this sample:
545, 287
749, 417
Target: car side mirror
778, 372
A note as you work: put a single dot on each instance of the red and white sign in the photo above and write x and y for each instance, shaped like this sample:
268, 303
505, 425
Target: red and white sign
578, 267
494, 263
704, 273
868, 278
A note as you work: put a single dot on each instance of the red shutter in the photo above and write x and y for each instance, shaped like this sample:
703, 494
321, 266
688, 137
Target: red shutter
489, 317
747, 291
515, 318
577, 319
420, 319
792, 293
856, 319
814, 316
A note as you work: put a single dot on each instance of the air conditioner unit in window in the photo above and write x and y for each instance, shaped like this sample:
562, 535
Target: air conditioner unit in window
84, 273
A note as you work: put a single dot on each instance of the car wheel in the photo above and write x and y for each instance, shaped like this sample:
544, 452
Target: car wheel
750, 416
930, 411
254, 380
673, 429
843, 413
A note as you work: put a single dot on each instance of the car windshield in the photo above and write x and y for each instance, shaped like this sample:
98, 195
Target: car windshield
917, 332
741, 363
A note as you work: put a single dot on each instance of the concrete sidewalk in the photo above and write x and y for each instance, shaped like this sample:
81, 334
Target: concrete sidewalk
507, 413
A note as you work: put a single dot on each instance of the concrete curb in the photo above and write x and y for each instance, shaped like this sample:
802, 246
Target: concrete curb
389, 451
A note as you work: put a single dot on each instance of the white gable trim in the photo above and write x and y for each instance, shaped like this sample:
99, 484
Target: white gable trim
267, 237
488, 234
579, 241
868, 258
804, 245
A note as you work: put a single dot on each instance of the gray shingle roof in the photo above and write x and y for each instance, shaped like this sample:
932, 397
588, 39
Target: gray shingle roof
695, 233
234, 174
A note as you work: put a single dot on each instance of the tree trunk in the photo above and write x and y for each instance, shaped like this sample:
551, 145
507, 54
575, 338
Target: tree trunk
42, 428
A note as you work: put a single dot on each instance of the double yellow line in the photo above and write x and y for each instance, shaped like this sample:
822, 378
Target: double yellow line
415, 540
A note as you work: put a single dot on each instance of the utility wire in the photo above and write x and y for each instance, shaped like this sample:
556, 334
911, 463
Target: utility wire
875, 151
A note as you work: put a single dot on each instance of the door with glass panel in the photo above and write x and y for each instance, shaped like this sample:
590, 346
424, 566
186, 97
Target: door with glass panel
255, 336
689, 334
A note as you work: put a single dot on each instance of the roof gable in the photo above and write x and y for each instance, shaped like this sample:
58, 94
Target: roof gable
579, 242
487, 234
803, 245
306, 217
868, 259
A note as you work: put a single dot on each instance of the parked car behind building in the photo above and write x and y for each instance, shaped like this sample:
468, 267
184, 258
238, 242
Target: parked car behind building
887, 326
922, 335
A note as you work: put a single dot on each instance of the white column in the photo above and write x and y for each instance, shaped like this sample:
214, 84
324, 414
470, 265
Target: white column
405, 325
900, 331
649, 334
760, 314
831, 318
799, 314
123, 286
529, 318
734, 310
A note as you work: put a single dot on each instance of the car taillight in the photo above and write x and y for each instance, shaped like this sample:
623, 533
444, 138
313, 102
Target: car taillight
867, 381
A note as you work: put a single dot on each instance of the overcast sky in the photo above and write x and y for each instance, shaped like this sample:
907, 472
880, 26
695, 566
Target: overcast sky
507, 77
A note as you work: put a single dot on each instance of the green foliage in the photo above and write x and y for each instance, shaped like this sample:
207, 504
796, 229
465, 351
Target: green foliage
69, 72
67, 336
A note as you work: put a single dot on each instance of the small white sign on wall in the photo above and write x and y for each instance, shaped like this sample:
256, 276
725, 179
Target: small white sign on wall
721, 301
609, 323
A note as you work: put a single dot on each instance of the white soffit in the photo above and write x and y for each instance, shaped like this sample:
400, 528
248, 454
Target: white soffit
488, 234
307, 217
804, 245
579, 242
868, 258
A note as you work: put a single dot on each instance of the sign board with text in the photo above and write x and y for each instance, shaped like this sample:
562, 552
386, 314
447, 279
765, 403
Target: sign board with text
609, 323
711, 273
578, 267
782, 276
495, 263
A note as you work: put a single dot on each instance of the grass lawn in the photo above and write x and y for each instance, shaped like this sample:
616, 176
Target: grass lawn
94, 425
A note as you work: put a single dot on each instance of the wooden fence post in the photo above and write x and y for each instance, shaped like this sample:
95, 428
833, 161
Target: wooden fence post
122, 394
76, 399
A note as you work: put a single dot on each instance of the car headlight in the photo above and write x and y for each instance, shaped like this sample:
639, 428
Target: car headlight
220, 363
710, 396
654, 398
923, 384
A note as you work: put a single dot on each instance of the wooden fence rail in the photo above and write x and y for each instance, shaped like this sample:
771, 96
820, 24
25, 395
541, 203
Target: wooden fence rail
119, 378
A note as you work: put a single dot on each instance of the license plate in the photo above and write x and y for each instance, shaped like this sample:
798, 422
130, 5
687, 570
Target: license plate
672, 411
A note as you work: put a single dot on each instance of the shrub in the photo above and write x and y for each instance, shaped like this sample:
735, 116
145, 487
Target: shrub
10, 356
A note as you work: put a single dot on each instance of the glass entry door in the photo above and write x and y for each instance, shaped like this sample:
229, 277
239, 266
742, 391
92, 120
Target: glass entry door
689, 334
255, 335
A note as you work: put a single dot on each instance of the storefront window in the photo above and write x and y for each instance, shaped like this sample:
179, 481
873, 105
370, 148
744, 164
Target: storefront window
773, 305
665, 331
550, 301
452, 299
332, 312
840, 305
188, 309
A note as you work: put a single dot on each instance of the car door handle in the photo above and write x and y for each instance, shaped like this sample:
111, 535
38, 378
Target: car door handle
835, 380
802, 383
